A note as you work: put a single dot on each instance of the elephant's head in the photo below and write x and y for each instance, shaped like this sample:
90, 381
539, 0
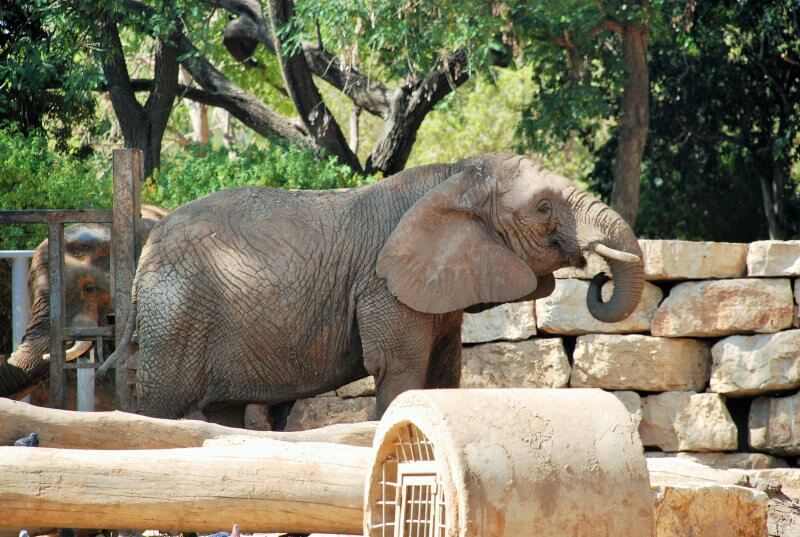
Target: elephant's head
495, 231
86, 300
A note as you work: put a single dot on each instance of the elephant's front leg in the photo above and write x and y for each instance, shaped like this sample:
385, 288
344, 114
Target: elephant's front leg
397, 343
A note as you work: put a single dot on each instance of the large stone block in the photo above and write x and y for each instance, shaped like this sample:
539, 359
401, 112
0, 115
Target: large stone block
774, 424
686, 421
565, 311
325, 410
633, 404
773, 258
676, 260
688, 260
709, 510
724, 307
535, 363
754, 365
637, 362
726, 461
692, 500
507, 321
787, 478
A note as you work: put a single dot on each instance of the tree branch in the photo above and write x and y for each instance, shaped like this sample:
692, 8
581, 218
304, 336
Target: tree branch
115, 70
239, 35
369, 95
158, 106
297, 78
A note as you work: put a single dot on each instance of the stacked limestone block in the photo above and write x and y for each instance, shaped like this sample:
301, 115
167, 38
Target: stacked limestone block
709, 362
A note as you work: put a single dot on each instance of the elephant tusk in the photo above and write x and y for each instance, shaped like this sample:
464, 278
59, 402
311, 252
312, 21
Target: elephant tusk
618, 255
73, 352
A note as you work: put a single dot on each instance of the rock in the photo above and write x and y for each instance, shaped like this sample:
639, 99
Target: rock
724, 307
565, 311
321, 411
688, 260
787, 478
535, 363
633, 404
637, 362
672, 470
774, 258
709, 510
726, 461
511, 322
693, 500
754, 365
774, 424
676, 260
256, 417
358, 388
686, 421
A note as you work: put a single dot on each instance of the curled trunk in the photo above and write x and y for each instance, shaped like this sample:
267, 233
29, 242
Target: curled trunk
606, 227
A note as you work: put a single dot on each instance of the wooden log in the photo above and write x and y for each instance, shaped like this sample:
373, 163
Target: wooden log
122, 430
277, 487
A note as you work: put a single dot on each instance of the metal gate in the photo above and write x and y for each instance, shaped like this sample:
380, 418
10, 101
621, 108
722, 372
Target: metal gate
124, 219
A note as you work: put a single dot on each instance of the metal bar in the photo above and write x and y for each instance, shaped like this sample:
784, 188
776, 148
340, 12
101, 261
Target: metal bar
88, 332
85, 402
13, 254
101, 216
20, 301
57, 354
125, 249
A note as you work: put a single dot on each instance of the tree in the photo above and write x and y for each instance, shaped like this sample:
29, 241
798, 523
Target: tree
725, 124
593, 58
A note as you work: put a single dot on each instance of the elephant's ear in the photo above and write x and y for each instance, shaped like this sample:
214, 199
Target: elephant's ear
441, 257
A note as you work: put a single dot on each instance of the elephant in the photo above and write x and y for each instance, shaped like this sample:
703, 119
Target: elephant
86, 298
257, 295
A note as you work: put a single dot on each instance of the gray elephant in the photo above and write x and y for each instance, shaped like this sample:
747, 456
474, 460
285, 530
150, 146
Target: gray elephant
86, 293
262, 295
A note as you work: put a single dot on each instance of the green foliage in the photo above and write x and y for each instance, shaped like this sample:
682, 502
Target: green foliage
719, 124
35, 176
46, 72
197, 172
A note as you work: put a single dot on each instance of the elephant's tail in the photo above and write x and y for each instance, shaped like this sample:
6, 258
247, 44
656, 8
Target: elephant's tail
127, 337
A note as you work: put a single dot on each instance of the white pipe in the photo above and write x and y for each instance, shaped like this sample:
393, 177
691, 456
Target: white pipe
85, 401
20, 303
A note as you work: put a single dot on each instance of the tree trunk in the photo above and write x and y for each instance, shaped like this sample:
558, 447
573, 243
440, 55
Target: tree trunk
633, 124
314, 114
142, 126
121, 430
276, 487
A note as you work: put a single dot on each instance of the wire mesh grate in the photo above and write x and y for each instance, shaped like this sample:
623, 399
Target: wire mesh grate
411, 500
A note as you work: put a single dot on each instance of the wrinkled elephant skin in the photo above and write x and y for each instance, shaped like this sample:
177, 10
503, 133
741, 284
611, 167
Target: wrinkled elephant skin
258, 295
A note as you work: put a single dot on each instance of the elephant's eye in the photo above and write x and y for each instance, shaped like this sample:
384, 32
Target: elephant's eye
544, 209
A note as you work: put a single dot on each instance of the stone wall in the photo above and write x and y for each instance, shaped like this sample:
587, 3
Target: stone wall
709, 363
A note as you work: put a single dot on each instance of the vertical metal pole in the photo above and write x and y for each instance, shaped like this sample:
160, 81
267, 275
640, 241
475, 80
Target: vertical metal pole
20, 303
85, 401
125, 249
58, 376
